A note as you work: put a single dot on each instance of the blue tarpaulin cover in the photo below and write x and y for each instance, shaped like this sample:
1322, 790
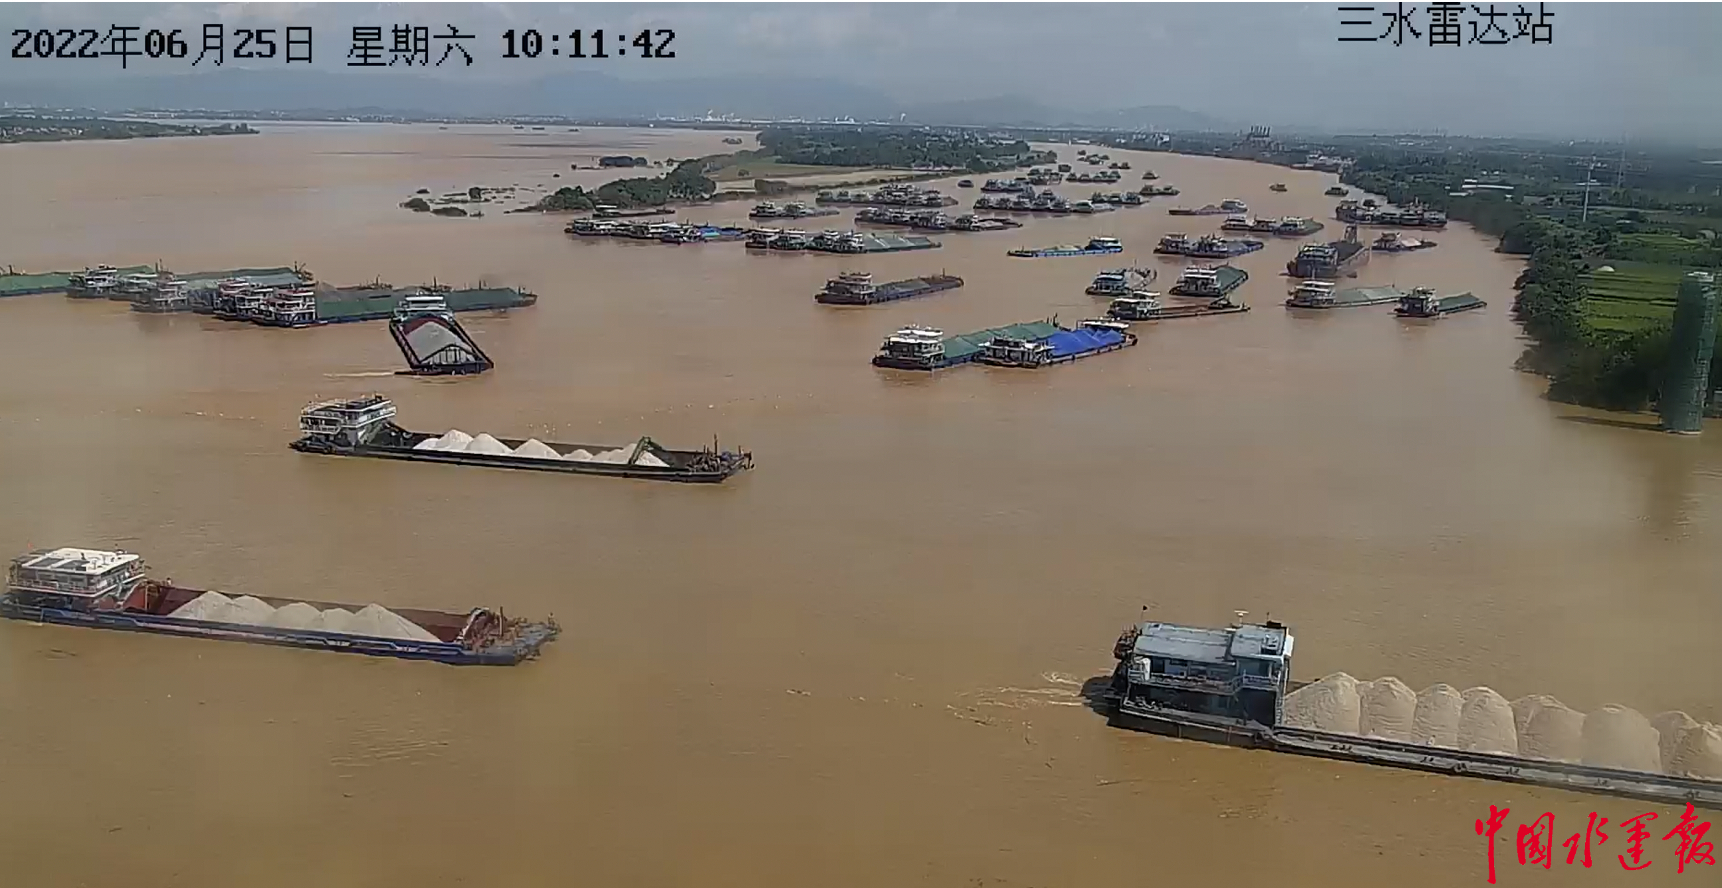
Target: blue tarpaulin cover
1075, 342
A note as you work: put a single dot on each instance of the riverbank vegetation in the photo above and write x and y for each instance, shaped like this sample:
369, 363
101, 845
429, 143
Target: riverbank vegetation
685, 184
69, 129
895, 148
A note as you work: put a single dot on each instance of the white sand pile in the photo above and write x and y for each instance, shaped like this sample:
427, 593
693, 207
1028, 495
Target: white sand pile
427, 444
453, 440
579, 455
1330, 704
1669, 726
380, 622
1389, 709
1699, 753
618, 456
297, 615
536, 449
249, 610
484, 443
203, 607
1553, 732
1617, 737
1486, 723
374, 620
1436, 721
1525, 707
337, 619
649, 459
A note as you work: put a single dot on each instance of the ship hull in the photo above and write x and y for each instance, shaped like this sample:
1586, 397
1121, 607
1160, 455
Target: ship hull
1176, 312
1370, 750
134, 621
404, 451
893, 291
1053, 254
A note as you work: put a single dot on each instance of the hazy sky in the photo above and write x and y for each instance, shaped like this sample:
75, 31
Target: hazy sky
1639, 69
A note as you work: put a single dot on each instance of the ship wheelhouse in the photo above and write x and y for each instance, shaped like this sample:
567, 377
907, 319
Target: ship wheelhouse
72, 579
348, 422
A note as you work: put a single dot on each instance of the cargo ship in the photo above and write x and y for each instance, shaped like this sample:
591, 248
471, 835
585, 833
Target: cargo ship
1096, 246
848, 242
887, 196
857, 288
1090, 338
200, 285
1209, 281
102, 589
791, 210
1229, 686
1118, 281
1422, 302
702, 234
1336, 191
1158, 191
1145, 305
91, 283
432, 341
164, 295
1285, 226
932, 220
303, 306
1227, 206
1149, 175
1044, 202
1394, 242
924, 348
1322, 295
1208, 246
1329, 261
1277, 186
365, 427
1411, 217
1116, 198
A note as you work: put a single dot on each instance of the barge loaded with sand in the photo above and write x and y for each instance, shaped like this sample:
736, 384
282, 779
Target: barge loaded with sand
109, 590
1233, 686
1208, 246
857, 288
365, 427
432, 341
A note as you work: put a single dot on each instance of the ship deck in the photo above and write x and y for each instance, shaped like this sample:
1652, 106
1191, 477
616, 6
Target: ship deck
688, 466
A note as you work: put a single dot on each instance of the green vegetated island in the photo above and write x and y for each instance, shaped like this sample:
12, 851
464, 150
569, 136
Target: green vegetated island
1597, 296
31, 128
804, 151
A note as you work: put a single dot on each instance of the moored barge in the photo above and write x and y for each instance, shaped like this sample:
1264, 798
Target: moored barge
1145, 305
924, 348
857, 288
1322, 295
1330, 261
365, 427
109, 590
1208, 246
1394, 242
1229, 686
793, 210
1209, 281
1422, 302
1096, 246
1225, 207
1366, 213
1287, 226
1096, 337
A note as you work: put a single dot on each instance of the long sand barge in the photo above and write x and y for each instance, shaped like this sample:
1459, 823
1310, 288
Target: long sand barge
101, 589
365, 427
1233, 686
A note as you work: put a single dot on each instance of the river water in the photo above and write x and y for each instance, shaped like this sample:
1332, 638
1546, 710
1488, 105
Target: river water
858, 665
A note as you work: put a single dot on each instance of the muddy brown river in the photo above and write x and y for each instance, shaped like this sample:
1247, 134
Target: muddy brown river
858, 665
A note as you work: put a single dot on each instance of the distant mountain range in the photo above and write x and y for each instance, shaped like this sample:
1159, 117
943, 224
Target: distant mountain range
574, 94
